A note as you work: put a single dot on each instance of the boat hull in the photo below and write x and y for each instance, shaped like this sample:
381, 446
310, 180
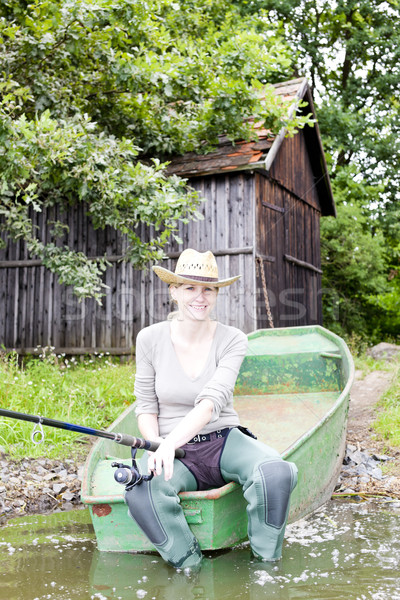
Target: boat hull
312, 435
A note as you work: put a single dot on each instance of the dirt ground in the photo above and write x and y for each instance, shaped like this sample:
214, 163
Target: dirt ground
365, 395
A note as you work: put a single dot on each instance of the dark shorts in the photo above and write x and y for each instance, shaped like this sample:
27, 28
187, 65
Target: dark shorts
203, 461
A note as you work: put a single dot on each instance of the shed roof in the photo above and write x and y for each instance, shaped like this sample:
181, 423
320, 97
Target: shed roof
260, 153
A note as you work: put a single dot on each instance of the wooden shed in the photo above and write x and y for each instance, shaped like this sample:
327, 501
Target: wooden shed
262, 209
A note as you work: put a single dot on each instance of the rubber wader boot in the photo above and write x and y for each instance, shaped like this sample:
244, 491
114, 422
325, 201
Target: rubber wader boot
267, 482
155, 507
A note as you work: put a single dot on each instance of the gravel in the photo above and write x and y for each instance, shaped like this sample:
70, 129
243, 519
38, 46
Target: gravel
33, 486
362, 473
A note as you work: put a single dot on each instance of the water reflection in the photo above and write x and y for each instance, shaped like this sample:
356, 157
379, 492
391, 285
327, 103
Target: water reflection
345, 551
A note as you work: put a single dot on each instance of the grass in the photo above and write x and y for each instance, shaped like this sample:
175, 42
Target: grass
366, 364
91, 393
387, 424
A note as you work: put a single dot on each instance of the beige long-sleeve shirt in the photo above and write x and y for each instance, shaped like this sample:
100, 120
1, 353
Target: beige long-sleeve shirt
163, 388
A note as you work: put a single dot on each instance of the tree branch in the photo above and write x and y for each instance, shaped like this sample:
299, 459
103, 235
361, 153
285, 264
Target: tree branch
94, 94
62, 40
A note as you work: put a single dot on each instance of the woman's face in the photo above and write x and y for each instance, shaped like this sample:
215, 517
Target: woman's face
195, 302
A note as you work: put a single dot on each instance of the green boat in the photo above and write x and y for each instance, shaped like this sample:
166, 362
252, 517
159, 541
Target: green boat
293, 392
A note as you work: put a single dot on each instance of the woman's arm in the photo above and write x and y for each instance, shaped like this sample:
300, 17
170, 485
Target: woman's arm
148, 427
219, 388
187, 428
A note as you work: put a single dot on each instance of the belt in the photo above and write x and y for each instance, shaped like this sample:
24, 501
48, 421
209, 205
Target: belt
207, 437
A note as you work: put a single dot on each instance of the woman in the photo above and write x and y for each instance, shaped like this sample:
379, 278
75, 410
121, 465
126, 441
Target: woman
186, 369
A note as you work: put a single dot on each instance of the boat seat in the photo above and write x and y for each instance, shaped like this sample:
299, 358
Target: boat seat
286, 362
104, 484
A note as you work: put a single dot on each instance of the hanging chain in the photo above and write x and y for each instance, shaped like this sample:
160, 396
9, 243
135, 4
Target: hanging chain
260, 271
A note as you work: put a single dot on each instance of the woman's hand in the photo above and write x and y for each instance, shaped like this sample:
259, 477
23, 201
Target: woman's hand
187, 428
163, 458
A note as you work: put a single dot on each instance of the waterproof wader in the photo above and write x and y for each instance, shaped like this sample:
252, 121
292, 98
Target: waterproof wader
267, 482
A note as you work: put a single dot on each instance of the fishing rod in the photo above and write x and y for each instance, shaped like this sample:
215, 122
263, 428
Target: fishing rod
120, 438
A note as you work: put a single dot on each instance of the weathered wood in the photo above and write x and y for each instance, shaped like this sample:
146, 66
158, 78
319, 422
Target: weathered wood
36, 262
270, 259
273, 207
224, 252
226, 157
17, 264
302, 263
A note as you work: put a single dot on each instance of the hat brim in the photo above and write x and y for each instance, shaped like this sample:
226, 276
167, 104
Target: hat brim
170, 277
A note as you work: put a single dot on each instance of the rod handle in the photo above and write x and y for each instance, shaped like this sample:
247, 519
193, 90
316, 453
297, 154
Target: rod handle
129, 440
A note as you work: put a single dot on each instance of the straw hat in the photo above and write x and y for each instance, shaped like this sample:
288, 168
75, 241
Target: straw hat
195, 268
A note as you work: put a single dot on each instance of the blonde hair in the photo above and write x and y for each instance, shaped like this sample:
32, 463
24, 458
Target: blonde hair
173, 314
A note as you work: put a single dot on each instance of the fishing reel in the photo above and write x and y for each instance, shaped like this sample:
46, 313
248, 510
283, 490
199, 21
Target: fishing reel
129, 475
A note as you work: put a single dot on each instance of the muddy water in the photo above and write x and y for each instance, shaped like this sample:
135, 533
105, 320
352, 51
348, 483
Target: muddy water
344, 551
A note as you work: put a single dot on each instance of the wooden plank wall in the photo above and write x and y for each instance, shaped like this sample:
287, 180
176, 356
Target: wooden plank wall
35, 310
302, 296
227, 225
292, 169
291, 238
275, 215
270, 244
38, 311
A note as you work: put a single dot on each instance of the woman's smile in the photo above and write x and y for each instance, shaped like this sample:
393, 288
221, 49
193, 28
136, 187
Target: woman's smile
195, 300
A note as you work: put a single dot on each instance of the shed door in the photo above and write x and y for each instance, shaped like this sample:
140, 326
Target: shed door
301, 302
270, 242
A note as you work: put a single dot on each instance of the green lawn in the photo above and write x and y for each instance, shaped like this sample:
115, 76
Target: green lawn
90, 393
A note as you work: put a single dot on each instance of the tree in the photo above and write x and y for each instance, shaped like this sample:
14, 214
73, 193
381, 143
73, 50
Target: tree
97, 94
354, 263
350, 50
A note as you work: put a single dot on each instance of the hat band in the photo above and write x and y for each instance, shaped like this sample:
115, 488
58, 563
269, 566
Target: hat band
197, 277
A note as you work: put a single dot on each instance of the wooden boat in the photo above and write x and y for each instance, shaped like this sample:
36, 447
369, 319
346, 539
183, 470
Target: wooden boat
293, 392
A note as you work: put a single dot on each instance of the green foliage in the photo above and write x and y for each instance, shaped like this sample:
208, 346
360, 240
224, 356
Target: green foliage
47, 162
354, 264
95, 95
350, 50
91, 393
353, 259
388, 305
174, 75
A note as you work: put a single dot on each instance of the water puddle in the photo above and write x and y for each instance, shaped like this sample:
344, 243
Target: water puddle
344, 551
